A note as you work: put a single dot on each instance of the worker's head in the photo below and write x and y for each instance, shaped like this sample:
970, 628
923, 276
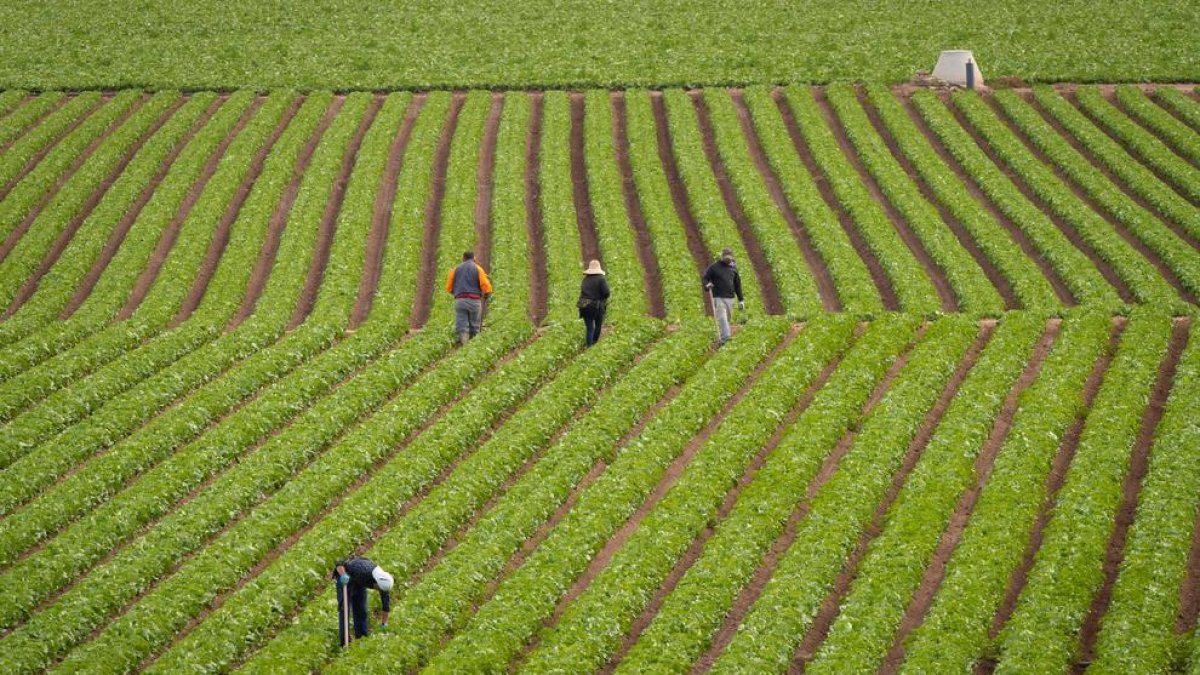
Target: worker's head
382, 579
468, 255
727, 255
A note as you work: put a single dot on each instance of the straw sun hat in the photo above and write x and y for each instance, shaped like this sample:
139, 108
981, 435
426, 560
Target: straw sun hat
594, 268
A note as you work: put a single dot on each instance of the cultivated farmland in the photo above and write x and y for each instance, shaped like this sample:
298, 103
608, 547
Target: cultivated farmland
956, 429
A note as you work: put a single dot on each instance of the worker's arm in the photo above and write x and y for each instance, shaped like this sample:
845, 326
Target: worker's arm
737, 286
450, 280
485, 284
386, 598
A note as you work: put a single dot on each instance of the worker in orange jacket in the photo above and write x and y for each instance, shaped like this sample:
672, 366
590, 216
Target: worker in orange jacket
470, 286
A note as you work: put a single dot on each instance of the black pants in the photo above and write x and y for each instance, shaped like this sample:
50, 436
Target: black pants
593, 319
358, 609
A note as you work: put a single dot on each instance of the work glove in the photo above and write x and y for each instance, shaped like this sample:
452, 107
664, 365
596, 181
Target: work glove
343, 579
708, 287
742, 305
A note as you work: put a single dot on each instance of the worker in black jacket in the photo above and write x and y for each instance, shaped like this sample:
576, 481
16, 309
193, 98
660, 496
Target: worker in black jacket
593, 301
354, 577
723, 281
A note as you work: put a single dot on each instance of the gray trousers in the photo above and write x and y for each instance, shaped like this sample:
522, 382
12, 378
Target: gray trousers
724, 311
468, 314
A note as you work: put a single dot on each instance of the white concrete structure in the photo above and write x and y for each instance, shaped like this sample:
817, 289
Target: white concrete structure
952, 67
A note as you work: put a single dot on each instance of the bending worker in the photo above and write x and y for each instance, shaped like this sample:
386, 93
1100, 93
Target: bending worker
470, 286
723, 282
354, 577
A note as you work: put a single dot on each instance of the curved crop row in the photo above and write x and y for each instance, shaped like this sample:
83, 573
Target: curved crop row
559, 225
510, 244
19, 121
25, 155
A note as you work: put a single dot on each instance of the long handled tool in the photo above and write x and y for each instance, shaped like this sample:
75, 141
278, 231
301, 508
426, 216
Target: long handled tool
712, 302
344, 613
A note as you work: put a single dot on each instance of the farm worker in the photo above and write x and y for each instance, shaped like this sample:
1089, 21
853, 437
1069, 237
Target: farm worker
593, 301
354, 577
470, 286
724, 283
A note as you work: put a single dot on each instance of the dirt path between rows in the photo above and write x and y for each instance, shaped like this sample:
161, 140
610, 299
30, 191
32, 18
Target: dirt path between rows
68, 233
1189, 591
883, 285
828, 612
816, 264
935, 571
117, 237
279, 218
772, 303
965, 238
538, 274
585, 218
53, 143
651, 273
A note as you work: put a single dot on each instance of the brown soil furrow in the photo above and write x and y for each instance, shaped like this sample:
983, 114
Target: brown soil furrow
135, 209
329, 218
888, 294
533, 211
679, 195
288, 542
64, 239
426, 279
1189, 592
1133, 154
750, 593
381, 218
936, 275
1082, 195
669, 477
1111, 97
651, 274
1017, 234
19, 231
585, 218
999, 281
1054, 482
828, 466
170, 233
45, 150
832, 603
1139, 463
1112, 177
935, 572
483, 182
1063, 226
772, 303
279, 218
216, 247
816, 265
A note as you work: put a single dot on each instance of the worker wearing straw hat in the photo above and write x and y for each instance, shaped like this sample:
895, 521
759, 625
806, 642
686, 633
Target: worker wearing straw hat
593, 301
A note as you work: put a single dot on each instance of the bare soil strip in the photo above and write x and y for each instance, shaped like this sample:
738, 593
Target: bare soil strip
1112, 177
753, 589
170, 233
772, 303
533, 211
1162, 177
882, 283
1082, 195
34, 123
41, 154
672, 474
1063, 226
696, 548
279, 218
935, 572
1054, 482
1018, 235
483, 182
679, 195
333, 207
585, 218
19, 231
1189, 592
1001, 283
1139, 463
381, 218
816, 264
131, 214
651, 274
945, 291
1110, 95
64, 239
216, 247
832, 603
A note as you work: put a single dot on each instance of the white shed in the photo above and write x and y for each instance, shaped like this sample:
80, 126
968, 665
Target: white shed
952, 67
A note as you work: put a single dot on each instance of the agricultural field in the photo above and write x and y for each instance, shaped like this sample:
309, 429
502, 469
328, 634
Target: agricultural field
955, 431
